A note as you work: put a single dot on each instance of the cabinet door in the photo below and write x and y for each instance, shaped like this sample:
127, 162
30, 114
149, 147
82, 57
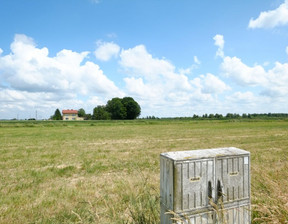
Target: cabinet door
232, 178
194, 181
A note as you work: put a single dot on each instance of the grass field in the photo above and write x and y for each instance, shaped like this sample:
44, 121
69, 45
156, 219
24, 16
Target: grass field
108, 172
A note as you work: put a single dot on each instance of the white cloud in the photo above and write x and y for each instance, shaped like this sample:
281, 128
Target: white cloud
94, 101
189, 70
142, 90
31, 69
106, 50
273, 82
32, 80
243, 97
245, 102
212, 84
140, 62
30, 74
270, 84
277, 81
286, 50
242, 74
272, 18
196, 60
156, 83
219, 42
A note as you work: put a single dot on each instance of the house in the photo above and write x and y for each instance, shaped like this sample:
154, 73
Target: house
70, 115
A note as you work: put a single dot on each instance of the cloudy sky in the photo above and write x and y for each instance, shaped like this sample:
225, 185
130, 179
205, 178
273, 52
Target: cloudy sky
174, 57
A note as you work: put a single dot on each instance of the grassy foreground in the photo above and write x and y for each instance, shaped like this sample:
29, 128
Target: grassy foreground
108, 172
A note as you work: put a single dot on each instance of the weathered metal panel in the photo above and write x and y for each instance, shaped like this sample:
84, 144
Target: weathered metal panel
166, 188
206, 186
233, 175
237, 215
234, 215
203, 153
191, 184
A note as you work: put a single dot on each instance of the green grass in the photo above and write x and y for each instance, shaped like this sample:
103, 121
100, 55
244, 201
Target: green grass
108, 171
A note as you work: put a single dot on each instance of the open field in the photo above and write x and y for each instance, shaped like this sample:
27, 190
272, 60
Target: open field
108, 172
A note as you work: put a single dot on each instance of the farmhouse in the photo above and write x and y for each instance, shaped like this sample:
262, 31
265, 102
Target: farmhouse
69, 115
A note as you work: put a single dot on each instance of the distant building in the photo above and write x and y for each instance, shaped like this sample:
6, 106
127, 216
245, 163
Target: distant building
71, 115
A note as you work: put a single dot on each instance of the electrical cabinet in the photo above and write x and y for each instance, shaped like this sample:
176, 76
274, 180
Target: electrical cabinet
205, 186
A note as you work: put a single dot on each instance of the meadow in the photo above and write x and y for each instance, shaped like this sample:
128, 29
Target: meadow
108, 172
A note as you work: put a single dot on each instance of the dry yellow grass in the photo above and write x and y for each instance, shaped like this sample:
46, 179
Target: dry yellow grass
108, 172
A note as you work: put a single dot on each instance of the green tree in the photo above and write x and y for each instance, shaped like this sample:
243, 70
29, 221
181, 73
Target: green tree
211, 116
116, 108
229, 115
219, 116
57, 115
81, 112
100, 113
133, 109
88, 117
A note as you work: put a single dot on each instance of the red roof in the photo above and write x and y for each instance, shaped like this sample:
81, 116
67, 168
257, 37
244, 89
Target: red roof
69, 111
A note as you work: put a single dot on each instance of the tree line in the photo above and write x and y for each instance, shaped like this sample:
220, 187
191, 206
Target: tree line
228, 116
115, 109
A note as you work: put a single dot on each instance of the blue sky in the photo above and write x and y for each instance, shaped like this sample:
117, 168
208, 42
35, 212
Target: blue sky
175, 58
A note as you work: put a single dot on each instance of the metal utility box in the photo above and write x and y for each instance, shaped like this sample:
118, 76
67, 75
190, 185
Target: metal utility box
205, 186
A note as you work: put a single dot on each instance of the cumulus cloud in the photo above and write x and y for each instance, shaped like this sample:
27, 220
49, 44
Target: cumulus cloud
143, 90
106, 50
273, 82
268, 84
219, 42
212, 84
242, 74
243, 97
29, 72
140, 62
245, 102
272, 18
31, 69
156, 81
30, 78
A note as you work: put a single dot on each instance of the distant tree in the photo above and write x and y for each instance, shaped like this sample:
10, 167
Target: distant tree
219, 116
116, 108
229, 115
57, 115
195, 116
133, 109
100, 113
88, 117
236, 115
81, 112
211, 116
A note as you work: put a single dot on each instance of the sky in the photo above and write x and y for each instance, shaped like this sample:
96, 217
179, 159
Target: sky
176, 58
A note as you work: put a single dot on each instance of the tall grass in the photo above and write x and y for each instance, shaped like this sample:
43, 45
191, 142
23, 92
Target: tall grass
108, 172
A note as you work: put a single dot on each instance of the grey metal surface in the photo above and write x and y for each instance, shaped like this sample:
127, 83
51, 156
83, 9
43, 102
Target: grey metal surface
196, 184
